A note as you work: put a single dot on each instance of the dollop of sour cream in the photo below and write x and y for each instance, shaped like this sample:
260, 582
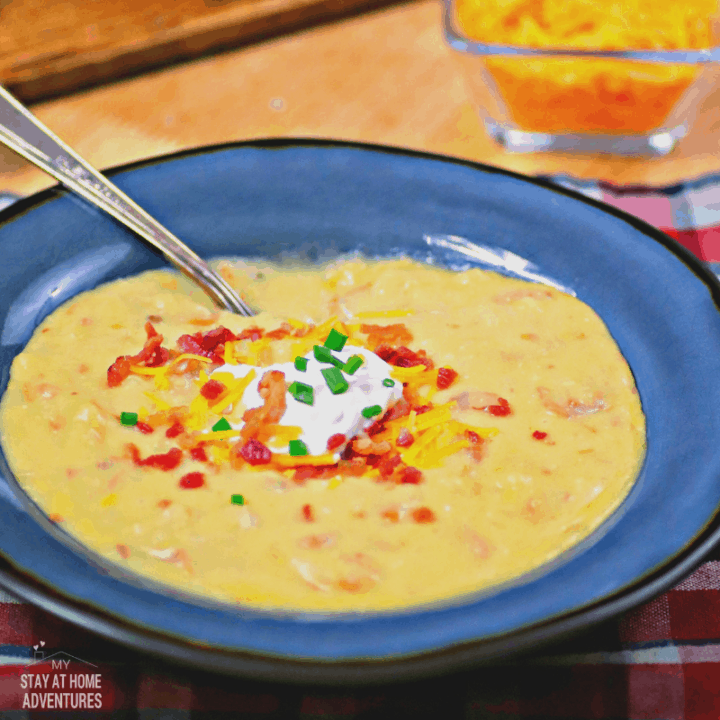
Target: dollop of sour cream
329, 414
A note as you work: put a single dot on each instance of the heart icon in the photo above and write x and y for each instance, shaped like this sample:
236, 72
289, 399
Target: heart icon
35, 647
42, 642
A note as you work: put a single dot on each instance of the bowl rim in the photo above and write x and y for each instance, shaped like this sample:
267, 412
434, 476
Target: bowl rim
373, 671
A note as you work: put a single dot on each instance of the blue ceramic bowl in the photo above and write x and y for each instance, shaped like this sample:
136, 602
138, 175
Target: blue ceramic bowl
276, 197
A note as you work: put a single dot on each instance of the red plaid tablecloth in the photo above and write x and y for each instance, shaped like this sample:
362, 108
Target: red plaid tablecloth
659, 662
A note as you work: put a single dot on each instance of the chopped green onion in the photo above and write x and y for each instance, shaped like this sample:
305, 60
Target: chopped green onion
335, 340
301, 363
353, 363
221, 424
237, 499
371, 411
302, 392
323, 354
127, 418
335, 380
298, 447
387, 382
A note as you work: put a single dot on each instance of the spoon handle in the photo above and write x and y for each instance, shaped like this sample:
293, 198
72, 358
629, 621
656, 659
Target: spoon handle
22, 132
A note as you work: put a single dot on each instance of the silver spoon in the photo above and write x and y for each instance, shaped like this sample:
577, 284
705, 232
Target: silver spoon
22, 132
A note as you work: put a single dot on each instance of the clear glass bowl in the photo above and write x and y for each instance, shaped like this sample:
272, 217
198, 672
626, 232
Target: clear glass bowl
629, 102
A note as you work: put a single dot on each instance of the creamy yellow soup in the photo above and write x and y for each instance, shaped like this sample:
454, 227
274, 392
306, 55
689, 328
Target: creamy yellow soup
535, 442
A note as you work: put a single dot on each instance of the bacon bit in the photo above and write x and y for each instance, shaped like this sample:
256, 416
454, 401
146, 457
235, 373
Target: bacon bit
400, 409
423, 515
251, 333
366, 446
403, 356
192, 480
502, 409
152, 355
446, 377
307, 513
255, 453
86, 321
155, 318
167, 461
405, 439
316, 542
272, 389
83, 368
411, 476
210, 344
212, 390
396, 334
284, 330
54, 517
391, 515
72, 472
335, 441
539, 435
164, 504
356, 586
198, 453
46, 330
311, 472
513, 295
175, 430
572, 407
377, 427
144, 427
422, 409
477, 449
388, 465
123, 551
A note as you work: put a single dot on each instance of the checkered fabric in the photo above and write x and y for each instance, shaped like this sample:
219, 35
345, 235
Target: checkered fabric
658, 662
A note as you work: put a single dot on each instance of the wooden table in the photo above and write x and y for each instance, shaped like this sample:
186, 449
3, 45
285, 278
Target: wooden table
384, 77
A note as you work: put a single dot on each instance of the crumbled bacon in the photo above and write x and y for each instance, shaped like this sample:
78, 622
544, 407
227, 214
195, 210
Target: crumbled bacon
423, 515
446, 377
335, 441
152, 355
403, 356
192, 480
255, 453
284, 330
210, 344
212, 390
388, 464
411, 476
405, 439
144, 428
251, 333
123, 551
165, 461
272, 390
198, 453
174, 430
400, 409
539, 435
500, 410
308, 513
378, 335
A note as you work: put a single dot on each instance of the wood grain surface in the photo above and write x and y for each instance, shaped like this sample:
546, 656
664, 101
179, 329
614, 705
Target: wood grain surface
53, 46
384, 77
